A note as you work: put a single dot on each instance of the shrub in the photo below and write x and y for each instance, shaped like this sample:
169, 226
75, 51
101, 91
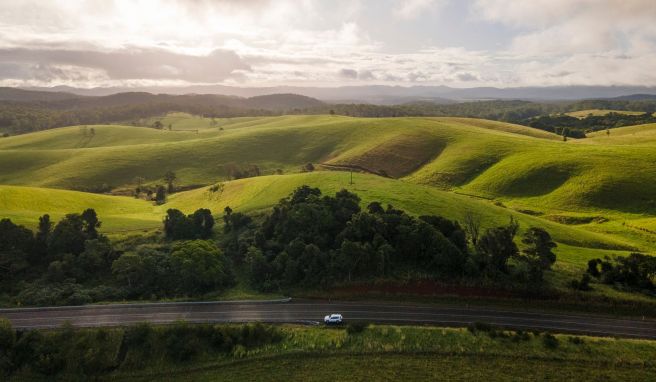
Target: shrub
7, 342
576, 340
356, 327
583, 284
550, 341
520, 335
181, 342
479, 327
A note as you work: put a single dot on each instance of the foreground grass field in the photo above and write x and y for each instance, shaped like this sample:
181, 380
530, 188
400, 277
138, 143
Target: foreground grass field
402, 367
392, 353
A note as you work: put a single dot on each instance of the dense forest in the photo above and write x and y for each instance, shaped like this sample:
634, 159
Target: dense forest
312, 240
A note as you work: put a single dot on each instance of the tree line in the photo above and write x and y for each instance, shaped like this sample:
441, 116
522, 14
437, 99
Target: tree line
635, 272
71, 263
577, 127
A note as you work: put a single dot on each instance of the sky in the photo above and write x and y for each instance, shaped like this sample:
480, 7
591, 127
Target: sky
457, 43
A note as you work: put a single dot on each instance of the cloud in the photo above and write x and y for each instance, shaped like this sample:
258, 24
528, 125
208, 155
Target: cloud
349, 73
410, 9
125, 64
549, 27
315, 42
466, 77
582, 42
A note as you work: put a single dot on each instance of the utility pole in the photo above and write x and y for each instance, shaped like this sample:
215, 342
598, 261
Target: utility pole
351, 177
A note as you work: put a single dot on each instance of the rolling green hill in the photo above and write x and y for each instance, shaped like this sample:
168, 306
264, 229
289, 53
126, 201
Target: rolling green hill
485, 158
594, 193
24, 205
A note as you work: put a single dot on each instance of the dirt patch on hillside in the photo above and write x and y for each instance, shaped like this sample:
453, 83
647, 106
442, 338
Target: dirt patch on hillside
397, 157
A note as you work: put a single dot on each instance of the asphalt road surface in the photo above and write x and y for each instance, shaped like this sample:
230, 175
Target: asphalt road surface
312, 312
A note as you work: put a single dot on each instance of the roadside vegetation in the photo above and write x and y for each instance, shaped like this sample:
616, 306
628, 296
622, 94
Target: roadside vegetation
260, 352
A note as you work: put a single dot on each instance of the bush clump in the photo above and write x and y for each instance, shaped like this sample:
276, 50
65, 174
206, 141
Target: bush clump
550, 341
356, 327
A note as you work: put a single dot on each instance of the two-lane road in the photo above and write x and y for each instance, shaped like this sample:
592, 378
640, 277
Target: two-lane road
308, 311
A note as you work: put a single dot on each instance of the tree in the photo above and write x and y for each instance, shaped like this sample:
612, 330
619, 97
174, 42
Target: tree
91, 223
170, 177
309, 167
176, 225
539, 247
68, 236
128, 268
160, 195
497, 246
158, 125
637, 271
200, 266
16, 243
203, 222
41, 240
450, 229
593, 267
227, 212
198, 225
95, 260
472, 224
375, 208
146, 272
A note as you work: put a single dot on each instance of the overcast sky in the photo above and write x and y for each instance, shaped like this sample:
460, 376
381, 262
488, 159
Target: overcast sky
456, 43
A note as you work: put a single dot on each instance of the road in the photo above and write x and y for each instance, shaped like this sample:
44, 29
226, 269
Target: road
311, 311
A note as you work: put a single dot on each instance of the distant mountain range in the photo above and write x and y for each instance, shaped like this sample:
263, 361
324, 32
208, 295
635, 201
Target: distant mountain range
70, 100
383, 94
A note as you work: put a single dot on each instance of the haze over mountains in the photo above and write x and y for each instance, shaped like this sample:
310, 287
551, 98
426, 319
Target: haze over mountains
381, 94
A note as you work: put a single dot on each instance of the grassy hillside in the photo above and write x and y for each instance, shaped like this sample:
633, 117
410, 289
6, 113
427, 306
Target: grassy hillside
486, 158
598, 192
24, 205
629, 135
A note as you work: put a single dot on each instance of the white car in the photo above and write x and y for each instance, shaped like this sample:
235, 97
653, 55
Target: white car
333, 319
